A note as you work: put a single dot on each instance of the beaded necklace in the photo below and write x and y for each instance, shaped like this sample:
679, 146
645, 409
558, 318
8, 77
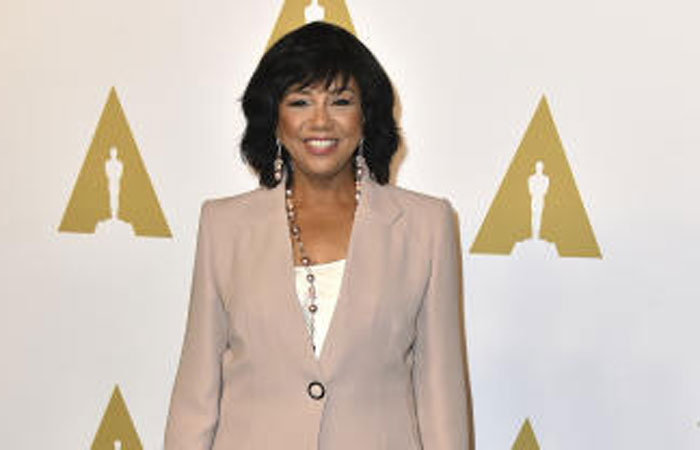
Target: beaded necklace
306, 261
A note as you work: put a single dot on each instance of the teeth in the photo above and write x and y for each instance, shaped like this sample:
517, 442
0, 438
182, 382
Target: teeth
320, 143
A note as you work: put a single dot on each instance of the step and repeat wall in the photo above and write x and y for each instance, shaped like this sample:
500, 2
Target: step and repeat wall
566, 135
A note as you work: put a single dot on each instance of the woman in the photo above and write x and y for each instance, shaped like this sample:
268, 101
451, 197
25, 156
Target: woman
325, 304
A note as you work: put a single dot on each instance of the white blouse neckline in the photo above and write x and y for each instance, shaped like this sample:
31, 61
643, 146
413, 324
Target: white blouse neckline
330, 264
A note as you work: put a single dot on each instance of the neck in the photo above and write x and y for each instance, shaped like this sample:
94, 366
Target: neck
324, 191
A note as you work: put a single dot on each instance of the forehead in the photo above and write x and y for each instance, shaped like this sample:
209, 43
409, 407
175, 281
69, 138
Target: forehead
335, 85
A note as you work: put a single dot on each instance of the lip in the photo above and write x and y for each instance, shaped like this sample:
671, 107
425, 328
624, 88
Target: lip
316, 150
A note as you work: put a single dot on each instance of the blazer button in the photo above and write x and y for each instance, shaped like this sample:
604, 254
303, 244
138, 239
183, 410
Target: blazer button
316, 390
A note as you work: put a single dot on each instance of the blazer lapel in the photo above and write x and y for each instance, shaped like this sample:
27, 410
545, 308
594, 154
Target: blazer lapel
374, 215
272, 231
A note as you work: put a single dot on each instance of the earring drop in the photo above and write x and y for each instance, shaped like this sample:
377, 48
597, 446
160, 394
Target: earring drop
278, 162
359, 169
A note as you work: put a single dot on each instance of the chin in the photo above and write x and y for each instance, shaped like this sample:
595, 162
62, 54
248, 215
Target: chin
323, 172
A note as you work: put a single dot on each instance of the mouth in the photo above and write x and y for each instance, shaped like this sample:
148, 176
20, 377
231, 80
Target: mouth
320, 146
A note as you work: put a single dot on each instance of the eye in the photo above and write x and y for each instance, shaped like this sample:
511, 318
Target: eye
342, 102
297, 102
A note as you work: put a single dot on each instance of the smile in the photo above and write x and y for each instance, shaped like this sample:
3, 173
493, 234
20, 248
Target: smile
320, 146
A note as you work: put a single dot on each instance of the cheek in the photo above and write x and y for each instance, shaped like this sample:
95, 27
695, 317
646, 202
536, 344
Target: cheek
352, 123
288, 122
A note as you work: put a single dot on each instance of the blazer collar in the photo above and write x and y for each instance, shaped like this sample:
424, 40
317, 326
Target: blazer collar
376, 211
376, 201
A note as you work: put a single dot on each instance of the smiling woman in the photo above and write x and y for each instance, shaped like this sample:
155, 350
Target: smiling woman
321, 126
315, 57
325, 304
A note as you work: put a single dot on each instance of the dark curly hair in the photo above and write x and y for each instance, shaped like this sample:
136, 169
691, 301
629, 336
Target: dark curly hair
318, 52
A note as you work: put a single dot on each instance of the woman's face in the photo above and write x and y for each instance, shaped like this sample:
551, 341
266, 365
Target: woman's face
321, 128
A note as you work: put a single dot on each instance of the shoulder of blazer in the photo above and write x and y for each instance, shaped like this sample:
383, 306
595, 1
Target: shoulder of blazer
416, 205
241, 209
429, 219
387, 202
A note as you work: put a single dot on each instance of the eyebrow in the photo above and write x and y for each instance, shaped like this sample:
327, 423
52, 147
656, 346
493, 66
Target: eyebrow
342, 89
306, 90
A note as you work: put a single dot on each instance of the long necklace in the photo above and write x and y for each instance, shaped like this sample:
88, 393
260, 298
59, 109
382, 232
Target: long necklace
306, 262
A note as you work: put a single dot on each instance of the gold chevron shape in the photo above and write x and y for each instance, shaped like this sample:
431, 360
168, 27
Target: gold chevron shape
564, 222
89, 204
296, 13
526, 439
116, 431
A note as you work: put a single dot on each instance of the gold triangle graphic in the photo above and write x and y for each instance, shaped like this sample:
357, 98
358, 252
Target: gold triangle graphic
296, 13
526, 439
116, 431
89, 204
563, 219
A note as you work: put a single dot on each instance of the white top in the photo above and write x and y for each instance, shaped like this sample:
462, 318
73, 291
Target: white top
327, 280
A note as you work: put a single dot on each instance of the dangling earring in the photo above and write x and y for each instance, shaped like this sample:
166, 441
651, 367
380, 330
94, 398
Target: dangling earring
278, 161
359, 169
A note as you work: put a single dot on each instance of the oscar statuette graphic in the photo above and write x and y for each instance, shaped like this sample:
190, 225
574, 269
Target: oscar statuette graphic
113, 194
296, 13
537, 211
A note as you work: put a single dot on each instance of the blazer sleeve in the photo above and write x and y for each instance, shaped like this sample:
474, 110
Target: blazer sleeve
440, 380
194, 405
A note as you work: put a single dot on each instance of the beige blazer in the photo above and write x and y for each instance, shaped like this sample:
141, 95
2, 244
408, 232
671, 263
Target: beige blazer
392, 372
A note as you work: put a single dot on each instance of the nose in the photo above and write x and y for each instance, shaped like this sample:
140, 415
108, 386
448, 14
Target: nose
321, 118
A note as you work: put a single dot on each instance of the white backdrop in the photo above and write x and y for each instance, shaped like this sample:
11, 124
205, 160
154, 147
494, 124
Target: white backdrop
598, 353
